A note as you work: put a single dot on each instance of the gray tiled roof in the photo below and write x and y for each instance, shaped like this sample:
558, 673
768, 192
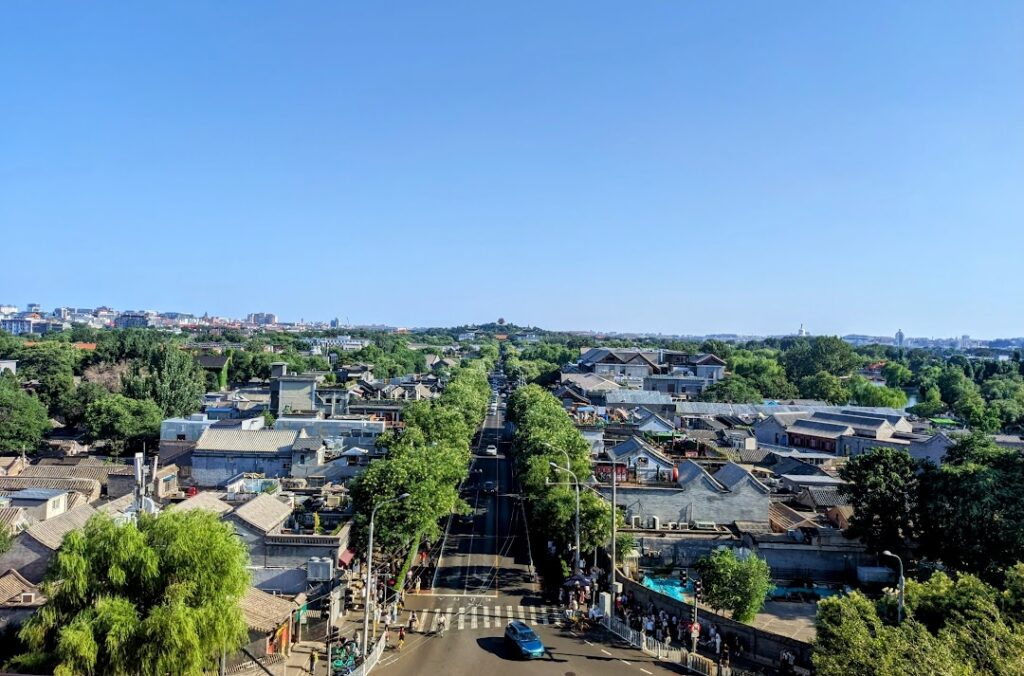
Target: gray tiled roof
264, 612
731, 474
818, 428
51, 532
246, 441
205, 500
826, 496
264, 512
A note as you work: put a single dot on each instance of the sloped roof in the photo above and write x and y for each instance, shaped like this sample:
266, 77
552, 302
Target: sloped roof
51, 532
247, 441
12, 586
206, 500
212, 361
857, 422
819, 428
649, 416
87, 487
100, 473
826, 496
731, 475
636, 445
689, 472
785, 518
10, 517
264, 512
264, 612
117, 506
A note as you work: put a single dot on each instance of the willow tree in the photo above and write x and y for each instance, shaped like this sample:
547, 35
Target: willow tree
159, 597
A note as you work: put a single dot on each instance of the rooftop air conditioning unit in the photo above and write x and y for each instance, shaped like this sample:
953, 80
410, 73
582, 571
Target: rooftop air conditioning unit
320, 569
655, 523
634, 521
671, 525
704, 525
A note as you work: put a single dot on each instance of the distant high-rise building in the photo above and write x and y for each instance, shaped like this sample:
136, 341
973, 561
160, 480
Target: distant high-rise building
965, 342
262, 318
132, 320
33, 307
900, 338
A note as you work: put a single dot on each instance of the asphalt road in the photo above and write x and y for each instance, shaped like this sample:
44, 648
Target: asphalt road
483, 580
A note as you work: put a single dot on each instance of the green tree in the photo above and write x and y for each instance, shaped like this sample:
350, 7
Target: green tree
897, 374
160, 597
23, 419
739, 585
122, 421
734, 389
972, 507
824, 386
830, 354
175, 382
931, 405
864, 393
852, 639
882, 488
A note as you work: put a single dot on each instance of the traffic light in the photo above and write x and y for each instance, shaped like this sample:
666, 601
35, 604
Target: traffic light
349, 597
698, 590
684, 577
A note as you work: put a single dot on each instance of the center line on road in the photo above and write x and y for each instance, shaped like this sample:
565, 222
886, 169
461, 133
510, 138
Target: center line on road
645, 671
606, 652
587, 642
628, 664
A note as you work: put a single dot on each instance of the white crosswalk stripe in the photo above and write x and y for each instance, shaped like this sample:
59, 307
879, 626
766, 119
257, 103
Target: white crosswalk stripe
448, 617
472, 617
522, 613
510, 615
462, 618
543, 615
497, 616
433, 624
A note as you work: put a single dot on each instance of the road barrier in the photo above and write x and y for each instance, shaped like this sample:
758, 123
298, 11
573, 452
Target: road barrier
676, 655
371, 660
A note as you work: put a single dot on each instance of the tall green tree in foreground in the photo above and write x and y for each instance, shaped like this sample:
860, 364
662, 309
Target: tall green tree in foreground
161, 597
952, 626
734, 584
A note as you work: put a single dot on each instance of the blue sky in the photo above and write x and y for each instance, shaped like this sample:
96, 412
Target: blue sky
683, 167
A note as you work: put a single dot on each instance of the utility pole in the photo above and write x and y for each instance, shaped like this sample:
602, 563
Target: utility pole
615, 514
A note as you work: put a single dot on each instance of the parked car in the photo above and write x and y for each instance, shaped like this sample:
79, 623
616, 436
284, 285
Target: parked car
523, 641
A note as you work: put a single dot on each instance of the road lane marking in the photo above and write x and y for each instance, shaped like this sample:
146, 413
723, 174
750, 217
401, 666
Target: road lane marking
628, 664
510, 615
542, 616
587, 642
647, 672
486, 615
497, 616
472, 617
522, 614
462, 617
433, 625
606, 652
448, 617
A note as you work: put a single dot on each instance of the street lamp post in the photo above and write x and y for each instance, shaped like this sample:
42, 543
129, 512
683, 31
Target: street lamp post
578, 552
369, 574
902, 587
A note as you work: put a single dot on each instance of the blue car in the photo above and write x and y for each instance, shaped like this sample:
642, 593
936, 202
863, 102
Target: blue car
523, 641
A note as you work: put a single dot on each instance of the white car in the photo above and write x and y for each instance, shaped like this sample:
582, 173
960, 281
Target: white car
492, 450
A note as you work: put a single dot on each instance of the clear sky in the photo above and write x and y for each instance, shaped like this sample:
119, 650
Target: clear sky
673, 166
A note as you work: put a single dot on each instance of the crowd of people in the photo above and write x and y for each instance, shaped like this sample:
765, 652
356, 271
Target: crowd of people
672, 630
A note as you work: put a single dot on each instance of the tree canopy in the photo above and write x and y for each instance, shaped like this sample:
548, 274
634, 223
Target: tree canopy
739, 585
23, 419
158, 597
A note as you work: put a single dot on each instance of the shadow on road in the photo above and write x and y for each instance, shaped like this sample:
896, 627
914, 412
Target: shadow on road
497, 647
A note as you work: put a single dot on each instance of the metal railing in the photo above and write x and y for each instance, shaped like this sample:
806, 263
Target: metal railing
677, 655
371, 659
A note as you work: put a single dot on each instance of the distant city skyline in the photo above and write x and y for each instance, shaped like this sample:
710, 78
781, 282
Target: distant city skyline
258, 315
671, 167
